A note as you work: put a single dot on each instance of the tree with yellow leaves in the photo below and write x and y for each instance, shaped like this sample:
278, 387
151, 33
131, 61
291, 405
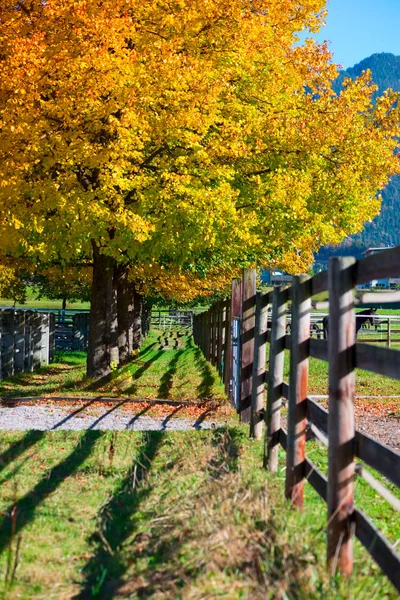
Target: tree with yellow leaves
194, 134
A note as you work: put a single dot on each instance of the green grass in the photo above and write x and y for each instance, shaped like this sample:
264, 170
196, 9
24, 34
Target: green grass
168, 366
160, 515
367, 383
33, 302
365, 497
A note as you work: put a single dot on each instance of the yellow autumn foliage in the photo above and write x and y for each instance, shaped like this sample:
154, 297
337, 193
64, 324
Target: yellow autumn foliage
194, 134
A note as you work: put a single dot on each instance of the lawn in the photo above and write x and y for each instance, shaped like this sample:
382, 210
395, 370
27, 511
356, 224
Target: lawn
169, 366
160, 515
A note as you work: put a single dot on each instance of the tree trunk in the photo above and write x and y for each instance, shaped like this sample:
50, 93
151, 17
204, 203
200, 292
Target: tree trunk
136, 329
125, 290
146, 315
114, 352
64, 304
98, 361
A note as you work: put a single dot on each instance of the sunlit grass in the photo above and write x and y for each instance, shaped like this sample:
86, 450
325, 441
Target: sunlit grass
161, 515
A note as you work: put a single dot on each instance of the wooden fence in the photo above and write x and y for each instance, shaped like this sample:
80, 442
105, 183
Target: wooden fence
335, 427
27, 341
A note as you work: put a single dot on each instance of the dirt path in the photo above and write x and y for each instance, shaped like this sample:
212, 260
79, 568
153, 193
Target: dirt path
51, 417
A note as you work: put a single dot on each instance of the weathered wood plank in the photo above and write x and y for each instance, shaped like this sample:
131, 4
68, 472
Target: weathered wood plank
384, 361
247, 341
275, 379
342, 340
19, 341
7, 346
236, 312
298, 383
378, 298
317, 415
319, 283
378, 486
385, 263
378, 547
218, 336
258, 384
319, 348
227, 346
378, 456
282, 436
28, 362
316, 479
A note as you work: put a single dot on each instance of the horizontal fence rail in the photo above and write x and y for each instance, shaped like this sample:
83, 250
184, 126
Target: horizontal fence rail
234, 334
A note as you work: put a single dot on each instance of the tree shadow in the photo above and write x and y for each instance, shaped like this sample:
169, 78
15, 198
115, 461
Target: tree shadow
168, 377
17, 448
138, 374
169, 417
26, 506
105, 568
206, 371
136, 417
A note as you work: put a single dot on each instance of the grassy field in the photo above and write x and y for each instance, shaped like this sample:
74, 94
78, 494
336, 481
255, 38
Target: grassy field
163, 515
169, 367
160, 515
33, 302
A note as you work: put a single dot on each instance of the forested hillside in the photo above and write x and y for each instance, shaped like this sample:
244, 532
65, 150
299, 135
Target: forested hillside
384, 230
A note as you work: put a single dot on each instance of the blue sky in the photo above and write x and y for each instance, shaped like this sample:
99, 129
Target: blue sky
358, 28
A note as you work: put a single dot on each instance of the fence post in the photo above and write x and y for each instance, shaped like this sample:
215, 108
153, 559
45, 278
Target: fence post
275, 378
52, 337
298, 384
212, 341
206, 351
28, 362
19, 341
36, 339
258, 384
227, 345
45, 339
236, 312
220, 334
7, 347
388, 333
341, 351
247, 342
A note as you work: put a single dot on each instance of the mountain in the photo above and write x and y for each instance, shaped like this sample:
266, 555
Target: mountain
384, 230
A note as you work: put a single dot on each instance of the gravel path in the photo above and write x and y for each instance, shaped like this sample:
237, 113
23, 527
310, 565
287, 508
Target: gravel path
384, 429
50, 418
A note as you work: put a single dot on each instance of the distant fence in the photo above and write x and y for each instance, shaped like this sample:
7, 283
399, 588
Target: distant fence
171, 319
27, 341
245, 380
71, 326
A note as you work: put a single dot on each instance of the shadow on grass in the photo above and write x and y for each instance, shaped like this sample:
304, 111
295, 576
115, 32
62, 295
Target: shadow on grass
26, 506
26, 380
19, 447
161, 546
167, 379
106, 567
137, 374
206, 370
